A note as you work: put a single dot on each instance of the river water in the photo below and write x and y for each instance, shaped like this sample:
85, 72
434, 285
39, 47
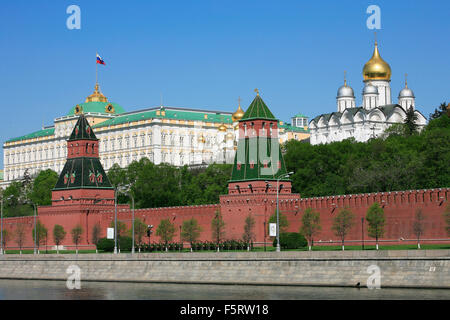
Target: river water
51, 290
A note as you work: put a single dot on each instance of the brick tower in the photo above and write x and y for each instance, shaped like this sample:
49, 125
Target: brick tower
257, 165
82, 180
83, 194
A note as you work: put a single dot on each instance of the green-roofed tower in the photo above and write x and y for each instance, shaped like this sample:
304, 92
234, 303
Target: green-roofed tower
82, 178
258, 157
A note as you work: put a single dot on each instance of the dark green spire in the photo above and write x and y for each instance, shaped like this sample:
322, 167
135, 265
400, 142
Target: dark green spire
258, 110
84, 171
82, 130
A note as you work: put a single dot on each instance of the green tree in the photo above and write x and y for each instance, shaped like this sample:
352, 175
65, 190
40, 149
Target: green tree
411, 121
6, 237
419, 225
310, 225
438, 112
376, 221
249, 233
41, 234
58, 235
41, 192
77, 232
140, 229
190, 231
284, 223
342, 224
121, 230
96, 231
15, 201
166, 231
19, 234
218, 228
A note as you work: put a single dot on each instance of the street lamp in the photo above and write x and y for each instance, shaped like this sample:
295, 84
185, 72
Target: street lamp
35, 229
278, 214
126, 189
1, 229
362, 232
115, 220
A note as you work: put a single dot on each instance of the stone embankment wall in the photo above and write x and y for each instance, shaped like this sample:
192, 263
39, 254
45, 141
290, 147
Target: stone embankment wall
420, 269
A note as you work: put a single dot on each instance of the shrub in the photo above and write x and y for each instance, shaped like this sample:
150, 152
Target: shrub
291, 240
106, 245
125, 243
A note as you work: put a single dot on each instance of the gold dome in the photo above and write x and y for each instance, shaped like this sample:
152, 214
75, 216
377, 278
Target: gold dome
376, 68
97, 96
222, 128
230, 136
239, 113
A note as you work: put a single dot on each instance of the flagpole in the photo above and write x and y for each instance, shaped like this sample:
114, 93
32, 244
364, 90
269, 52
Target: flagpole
96, 72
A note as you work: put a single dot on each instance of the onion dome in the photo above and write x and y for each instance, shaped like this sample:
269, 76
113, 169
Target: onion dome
406, 92
370, 89
345, 91
222, 128
97, 96
239, 113
376, 68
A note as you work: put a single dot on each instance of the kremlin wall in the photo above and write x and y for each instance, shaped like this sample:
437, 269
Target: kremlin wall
83, 195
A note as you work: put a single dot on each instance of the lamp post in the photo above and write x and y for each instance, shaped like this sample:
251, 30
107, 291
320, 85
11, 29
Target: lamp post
132, 223
115, 221
35, 229
1, 229
362, 232
278, 214
126, 189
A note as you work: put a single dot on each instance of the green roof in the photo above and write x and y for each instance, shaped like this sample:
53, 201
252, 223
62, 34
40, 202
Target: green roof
82, 130
289, 127
250, 165
96, 106
299, 115
172, 114
258, 110
36, 134
83, 172
86, 173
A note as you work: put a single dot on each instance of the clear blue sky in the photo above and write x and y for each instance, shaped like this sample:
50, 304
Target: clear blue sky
204, 54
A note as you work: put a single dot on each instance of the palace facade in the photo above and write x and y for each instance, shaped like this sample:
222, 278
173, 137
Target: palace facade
177, 136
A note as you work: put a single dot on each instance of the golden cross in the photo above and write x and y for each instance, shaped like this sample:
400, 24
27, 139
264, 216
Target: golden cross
406, 80
345, 78
375, 37
239, 101
257, 92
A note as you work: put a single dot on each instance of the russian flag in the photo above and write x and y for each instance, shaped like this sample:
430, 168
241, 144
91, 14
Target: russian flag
100, 60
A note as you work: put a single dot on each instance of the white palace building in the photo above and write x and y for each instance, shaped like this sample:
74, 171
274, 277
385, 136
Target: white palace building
375, 115
177, 136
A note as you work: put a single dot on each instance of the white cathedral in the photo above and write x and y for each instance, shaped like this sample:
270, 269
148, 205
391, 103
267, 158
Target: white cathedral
375, 115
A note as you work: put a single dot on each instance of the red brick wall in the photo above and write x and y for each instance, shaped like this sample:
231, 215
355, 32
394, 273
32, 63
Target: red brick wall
399, 208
